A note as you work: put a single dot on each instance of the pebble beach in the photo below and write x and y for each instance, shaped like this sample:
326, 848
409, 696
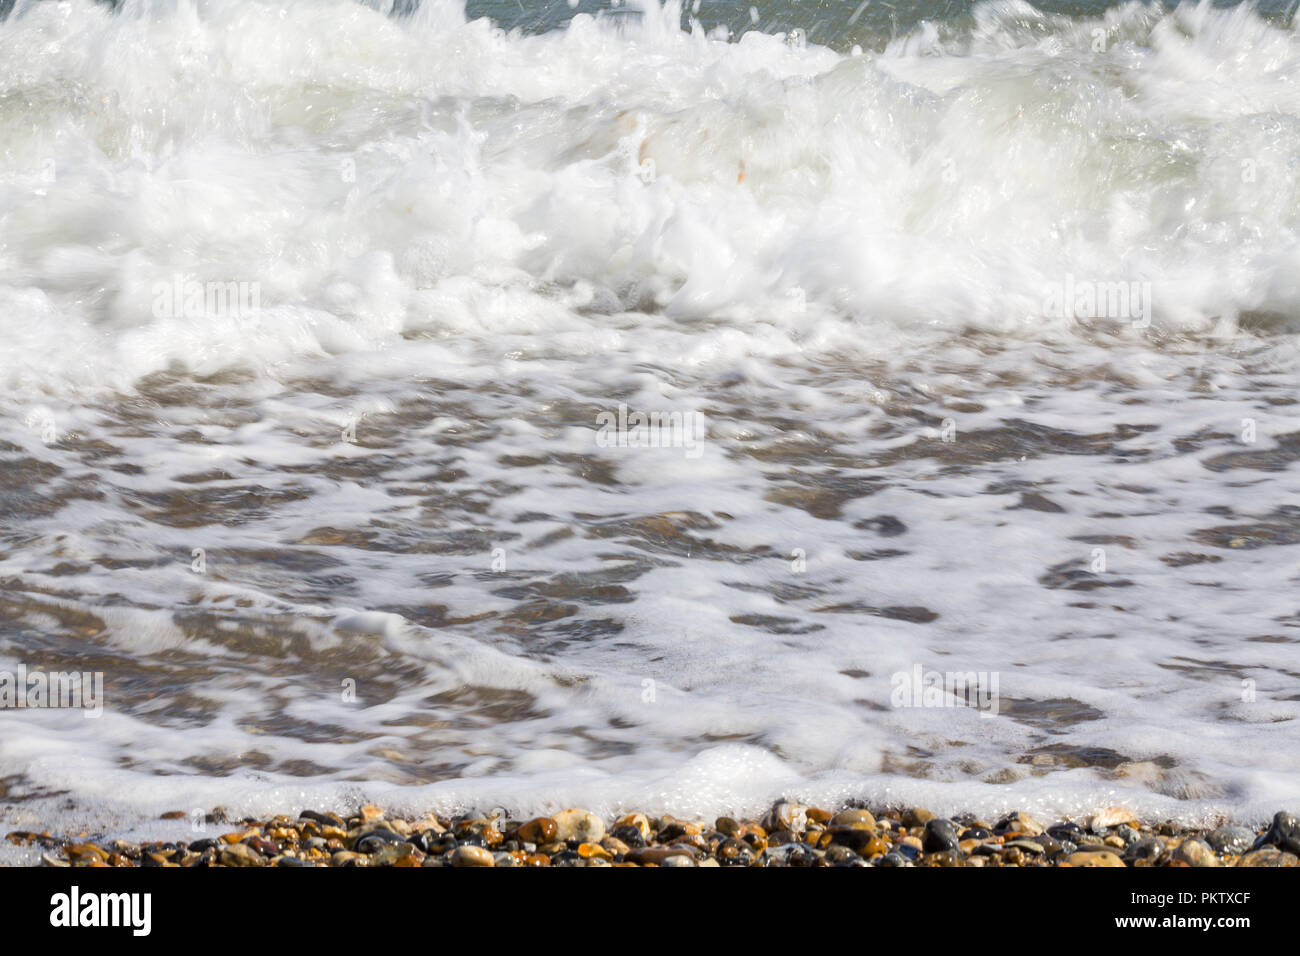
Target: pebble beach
789, 834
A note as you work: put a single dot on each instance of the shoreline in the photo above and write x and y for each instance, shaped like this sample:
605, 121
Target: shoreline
789, 834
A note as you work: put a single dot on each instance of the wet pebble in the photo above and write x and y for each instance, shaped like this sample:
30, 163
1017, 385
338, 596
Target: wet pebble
1094, 858
1196, 852
581, 825
1283, 833
1067, 832
240, 854
375, 840
787, 817
1268, 856
733, 852
659, 855
392, 854
472, 856
855, 838
537, 831
1019, 823
857, 819
324, 819
916, 817
432, 841
941, 836
1147, 849
1103, 820
790, 854
629, 835
638, 820
1233, 840
1032, 847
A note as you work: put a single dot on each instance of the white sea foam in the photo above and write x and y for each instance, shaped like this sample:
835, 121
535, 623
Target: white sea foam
377, 177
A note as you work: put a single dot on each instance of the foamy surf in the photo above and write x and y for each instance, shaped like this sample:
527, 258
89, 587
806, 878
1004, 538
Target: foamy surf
987, 331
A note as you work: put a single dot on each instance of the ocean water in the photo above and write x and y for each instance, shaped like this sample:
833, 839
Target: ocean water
974, 326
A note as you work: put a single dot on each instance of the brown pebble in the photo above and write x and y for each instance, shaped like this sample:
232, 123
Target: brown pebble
1268, 856
472, 856
589, 851
264, 847
656, 855
857, 819
615, 846
540, 830
916, 817
873, 848
86, 850
638, 820
855, 838
240, 854
674, 829
727, 826
1094, 858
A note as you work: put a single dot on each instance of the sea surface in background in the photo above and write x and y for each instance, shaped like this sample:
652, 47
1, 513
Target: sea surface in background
343, 523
